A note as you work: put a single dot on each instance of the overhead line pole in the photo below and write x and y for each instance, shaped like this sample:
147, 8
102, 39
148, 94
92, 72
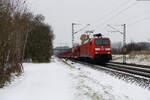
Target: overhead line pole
124, 43
124, 40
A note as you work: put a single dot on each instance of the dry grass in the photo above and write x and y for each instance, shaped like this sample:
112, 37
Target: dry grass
6, 74
145, 53
116, 58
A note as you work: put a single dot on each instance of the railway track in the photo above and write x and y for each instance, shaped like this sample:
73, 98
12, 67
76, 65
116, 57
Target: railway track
140, 71
131, 73
131, 64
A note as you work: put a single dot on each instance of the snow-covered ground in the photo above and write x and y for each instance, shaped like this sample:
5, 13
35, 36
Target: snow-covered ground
69, 81
40, 82
135, 59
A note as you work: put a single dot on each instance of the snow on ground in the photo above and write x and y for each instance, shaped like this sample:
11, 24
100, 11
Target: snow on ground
40, 82
66, 81
135, 59
95, 85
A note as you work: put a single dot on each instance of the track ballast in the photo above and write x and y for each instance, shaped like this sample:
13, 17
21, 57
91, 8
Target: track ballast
140, 71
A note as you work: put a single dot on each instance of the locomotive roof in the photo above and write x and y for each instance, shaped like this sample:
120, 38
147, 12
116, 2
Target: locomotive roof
100, 38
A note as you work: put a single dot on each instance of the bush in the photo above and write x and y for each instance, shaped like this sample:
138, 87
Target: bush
39, 43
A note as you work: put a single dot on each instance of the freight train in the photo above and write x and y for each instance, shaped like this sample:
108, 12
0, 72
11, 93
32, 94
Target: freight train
97, 50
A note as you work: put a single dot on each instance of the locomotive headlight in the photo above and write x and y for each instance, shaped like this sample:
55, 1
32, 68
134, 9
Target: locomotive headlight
97, 49
107, 48
108, 52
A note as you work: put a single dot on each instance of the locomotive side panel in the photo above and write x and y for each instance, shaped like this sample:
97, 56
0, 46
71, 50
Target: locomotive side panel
86, 50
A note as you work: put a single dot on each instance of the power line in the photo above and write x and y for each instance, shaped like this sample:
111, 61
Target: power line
138, 21
82, 28
123, 10
112, 11
117, 14
116, 30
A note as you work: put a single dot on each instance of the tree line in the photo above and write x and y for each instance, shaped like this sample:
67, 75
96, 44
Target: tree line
131, 47
23, 37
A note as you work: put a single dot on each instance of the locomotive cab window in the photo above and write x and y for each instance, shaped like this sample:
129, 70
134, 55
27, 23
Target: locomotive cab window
102, 42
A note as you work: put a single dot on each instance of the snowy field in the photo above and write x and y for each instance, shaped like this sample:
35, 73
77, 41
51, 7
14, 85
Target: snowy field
69, 81
135, 59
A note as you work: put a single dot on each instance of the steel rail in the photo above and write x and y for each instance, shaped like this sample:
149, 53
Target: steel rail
131, 70
147, 70
134, 70
131, 64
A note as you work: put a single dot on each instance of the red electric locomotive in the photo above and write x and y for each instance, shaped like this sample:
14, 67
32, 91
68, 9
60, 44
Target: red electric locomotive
98, 50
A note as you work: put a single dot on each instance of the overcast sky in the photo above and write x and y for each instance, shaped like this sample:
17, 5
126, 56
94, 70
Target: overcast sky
62, 13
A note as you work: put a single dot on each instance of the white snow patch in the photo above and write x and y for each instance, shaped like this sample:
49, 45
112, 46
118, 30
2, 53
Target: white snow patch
96, 85
40, 82
66, 81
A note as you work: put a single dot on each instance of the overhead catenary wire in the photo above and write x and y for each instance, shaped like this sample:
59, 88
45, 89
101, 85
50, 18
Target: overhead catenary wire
112, 11
107, 15
117, 14
138, 21
82, 28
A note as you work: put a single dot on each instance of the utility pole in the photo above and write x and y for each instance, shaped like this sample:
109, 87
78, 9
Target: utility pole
124, 43
124, 40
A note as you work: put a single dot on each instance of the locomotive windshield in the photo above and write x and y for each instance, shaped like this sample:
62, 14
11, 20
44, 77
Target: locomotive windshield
102, 42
